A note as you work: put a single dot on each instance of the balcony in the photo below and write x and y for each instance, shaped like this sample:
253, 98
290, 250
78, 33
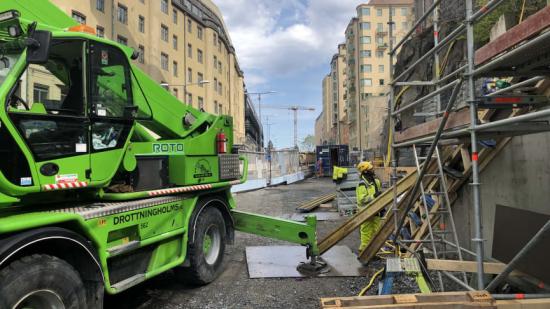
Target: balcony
381, 46
381, 32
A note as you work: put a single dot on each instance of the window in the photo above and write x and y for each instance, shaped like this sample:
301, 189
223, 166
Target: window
365, 54
122, 14
141, 57
215, 39
175, 68
379, 27
219, 45
379, 54
378, 12
392, 11
199, 32
365, 26
100, 31
366, 82
100, 5
164, 6
365, 40
175, 42
215, 61
380, 40
219, 67
215, 107
199, 56
366, 68
189, 99
365, 96
381, 68
164, 33
189, 25
200, 78
189, 75
365, 11
176, 92
164, 61
404, 11
215, 85
141, 24
175, 16
220, 88
122, 40
79, 17
41, 92
201, 103
381, 81
189, 50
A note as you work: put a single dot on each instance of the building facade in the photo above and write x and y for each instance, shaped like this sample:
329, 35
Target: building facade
368, 42
183, 44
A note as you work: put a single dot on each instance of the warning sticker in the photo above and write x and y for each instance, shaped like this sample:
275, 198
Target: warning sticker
66, 178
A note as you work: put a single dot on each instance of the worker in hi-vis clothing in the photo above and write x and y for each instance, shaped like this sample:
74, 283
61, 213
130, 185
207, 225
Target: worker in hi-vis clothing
367, 190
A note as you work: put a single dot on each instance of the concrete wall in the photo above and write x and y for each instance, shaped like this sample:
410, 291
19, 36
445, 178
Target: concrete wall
518, 177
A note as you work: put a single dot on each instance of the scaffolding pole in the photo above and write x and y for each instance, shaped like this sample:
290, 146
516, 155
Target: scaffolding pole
393, 177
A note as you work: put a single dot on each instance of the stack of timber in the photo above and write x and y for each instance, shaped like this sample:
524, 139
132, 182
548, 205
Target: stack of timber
314, 203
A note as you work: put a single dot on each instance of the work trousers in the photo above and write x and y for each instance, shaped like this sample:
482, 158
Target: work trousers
367, 230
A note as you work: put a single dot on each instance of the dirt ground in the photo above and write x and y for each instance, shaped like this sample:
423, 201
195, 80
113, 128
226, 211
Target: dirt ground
234, 289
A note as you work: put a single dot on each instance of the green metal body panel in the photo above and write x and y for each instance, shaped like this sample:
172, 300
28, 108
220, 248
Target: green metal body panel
153, 223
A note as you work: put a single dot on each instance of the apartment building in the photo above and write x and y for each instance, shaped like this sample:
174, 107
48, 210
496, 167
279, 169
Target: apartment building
183, 44
368, 41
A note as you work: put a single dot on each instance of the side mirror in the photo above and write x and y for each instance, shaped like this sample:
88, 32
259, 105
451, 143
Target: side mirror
39, 49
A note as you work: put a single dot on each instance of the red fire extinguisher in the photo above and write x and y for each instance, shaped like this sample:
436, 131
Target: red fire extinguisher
221, 142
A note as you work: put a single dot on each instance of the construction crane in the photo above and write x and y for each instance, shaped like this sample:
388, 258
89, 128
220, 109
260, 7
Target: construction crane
295, 109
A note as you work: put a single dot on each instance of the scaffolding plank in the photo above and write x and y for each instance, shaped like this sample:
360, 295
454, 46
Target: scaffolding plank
384, 200
456, 119
466, 266
528, 28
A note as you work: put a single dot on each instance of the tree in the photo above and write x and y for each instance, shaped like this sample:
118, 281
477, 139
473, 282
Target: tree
308, 144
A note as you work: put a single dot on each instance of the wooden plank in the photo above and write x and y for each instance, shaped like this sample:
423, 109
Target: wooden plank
543, 303
473, 299
384, 200
456, 119
466, 266
314, 203
527, 29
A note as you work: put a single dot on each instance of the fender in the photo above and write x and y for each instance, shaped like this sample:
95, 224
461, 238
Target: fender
20, 242
222, 205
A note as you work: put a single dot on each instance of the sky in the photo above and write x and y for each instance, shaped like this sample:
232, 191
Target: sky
286, 46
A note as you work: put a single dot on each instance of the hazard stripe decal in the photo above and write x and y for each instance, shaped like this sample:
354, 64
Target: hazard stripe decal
66, 186
179, 190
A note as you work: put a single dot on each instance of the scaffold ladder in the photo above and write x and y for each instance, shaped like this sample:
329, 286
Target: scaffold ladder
443, 214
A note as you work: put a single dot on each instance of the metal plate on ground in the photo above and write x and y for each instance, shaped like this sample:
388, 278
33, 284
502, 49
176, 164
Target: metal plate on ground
281, 262
321, 216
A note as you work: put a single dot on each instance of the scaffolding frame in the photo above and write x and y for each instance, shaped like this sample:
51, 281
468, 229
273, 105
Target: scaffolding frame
469, 72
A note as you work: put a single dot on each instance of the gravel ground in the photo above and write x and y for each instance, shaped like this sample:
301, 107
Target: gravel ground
234, 289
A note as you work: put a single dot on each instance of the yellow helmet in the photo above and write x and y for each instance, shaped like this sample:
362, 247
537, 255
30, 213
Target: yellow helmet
365, 166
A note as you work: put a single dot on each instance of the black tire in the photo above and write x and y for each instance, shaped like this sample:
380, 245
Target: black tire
205, 265
36, 280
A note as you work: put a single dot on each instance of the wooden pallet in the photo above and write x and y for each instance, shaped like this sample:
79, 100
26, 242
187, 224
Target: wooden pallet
444, 300
471, 300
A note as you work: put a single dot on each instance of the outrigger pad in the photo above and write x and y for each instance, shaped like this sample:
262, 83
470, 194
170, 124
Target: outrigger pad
283, 261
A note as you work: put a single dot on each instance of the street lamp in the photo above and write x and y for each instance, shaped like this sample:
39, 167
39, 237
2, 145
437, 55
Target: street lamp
259, 94
202, 82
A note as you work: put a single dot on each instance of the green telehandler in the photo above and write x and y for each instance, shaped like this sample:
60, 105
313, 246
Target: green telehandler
106, 179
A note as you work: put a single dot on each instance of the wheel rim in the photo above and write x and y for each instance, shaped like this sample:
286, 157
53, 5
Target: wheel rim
211, 244
41, 299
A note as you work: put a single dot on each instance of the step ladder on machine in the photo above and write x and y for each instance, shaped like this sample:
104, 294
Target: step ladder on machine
443, 214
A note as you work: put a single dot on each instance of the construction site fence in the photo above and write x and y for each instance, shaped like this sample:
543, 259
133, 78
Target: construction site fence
274, 168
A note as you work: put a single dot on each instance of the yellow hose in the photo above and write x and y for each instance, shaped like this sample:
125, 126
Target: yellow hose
365, 289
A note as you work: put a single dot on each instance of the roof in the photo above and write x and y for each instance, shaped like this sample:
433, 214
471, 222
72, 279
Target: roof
390, 2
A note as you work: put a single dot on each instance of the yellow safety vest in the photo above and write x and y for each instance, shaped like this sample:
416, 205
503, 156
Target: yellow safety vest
365, 191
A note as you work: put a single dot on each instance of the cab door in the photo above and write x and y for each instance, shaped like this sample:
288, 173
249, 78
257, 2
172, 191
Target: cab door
111, 109
48, 107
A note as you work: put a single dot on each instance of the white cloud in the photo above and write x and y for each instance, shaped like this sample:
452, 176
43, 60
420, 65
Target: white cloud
280, 38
